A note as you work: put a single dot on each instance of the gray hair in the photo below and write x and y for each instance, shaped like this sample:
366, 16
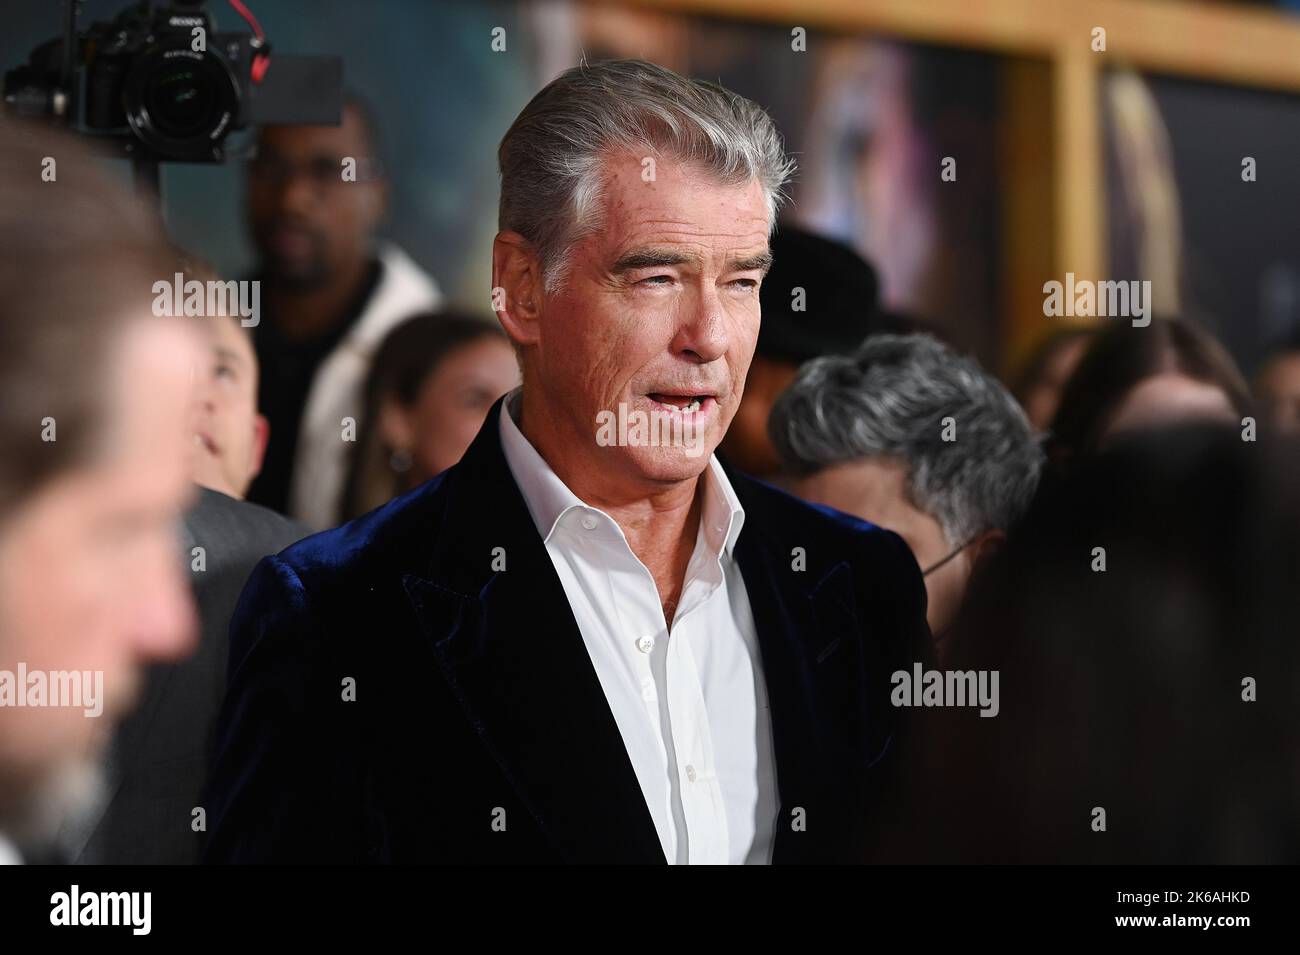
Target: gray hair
551, 157
889, 398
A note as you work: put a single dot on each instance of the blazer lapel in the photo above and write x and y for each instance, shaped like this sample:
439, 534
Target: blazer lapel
811, 665
511, 651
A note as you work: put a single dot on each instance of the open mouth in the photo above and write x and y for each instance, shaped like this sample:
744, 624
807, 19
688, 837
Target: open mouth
684, 404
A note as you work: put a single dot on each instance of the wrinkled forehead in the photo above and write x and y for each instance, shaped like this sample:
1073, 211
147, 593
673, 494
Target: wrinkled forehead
648, 198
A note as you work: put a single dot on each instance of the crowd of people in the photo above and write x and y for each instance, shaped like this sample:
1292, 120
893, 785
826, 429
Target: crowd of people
417, 612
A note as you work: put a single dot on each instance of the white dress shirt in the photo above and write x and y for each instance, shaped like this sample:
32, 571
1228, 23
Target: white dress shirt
9, 852
691, 708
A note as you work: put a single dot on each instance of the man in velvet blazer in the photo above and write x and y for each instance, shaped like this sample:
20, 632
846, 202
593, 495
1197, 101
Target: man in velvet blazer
589, 641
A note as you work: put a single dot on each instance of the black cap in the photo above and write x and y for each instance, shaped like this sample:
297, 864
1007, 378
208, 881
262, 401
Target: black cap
839, 300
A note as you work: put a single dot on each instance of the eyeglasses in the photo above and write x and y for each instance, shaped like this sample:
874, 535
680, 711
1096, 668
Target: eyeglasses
935, 566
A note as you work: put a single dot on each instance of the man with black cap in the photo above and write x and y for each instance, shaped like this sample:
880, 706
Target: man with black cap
819, 298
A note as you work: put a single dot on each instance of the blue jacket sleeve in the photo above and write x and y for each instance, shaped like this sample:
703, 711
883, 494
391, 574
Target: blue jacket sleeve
273, 794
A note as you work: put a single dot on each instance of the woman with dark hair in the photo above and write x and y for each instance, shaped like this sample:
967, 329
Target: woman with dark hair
430, 387
1042, 377
1146, 709
1169, 371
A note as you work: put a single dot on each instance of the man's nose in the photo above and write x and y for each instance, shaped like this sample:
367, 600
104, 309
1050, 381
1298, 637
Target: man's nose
295, 194
207, 394
702, 334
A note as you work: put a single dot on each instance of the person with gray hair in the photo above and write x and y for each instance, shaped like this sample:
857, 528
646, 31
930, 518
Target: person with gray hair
587, 641
909, 435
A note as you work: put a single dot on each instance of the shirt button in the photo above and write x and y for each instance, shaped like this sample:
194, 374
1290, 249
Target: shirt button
645, 644
589, 522
690, 773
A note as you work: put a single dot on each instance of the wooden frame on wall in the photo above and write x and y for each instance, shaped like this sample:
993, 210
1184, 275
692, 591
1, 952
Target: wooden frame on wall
1052, 80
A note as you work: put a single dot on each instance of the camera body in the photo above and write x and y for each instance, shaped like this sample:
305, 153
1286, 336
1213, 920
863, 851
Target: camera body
162, 85
178, 86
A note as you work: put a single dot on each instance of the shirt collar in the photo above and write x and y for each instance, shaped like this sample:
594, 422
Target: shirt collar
9, 854
548, 498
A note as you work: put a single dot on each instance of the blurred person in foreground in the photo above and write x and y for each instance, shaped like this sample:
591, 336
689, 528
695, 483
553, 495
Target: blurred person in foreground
162, 751
1277, 386
482, 670
1142, 622
97, 430
818, 298
432, 383
1137, 378
330, 292
908, 435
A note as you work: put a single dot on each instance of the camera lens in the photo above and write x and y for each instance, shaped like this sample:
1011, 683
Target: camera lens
181, 103
179, 100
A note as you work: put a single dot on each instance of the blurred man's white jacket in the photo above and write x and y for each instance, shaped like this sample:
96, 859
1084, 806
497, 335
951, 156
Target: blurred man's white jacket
321, 461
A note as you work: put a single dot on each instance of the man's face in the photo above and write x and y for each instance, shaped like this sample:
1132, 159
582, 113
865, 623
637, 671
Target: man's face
307, 222
659, 309
91, 573
230, 434
875, 489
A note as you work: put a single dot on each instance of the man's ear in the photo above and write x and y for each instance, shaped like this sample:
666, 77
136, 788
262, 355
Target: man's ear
395, 427
516, 287
986, 546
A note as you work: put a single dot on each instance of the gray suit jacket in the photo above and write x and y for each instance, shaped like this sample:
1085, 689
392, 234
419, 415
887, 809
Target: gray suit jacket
160, 755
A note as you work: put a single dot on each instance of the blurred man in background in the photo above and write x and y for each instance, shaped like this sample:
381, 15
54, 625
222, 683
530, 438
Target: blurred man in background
818, 298
97, 430
330, 293
908, 435
231, 436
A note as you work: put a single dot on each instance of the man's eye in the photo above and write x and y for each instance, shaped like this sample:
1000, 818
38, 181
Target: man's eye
224, 371
747, 285
656, 280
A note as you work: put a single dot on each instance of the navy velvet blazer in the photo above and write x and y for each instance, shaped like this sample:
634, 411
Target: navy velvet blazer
393, 698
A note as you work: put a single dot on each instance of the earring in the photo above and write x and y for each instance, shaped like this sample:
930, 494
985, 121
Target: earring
400, 460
